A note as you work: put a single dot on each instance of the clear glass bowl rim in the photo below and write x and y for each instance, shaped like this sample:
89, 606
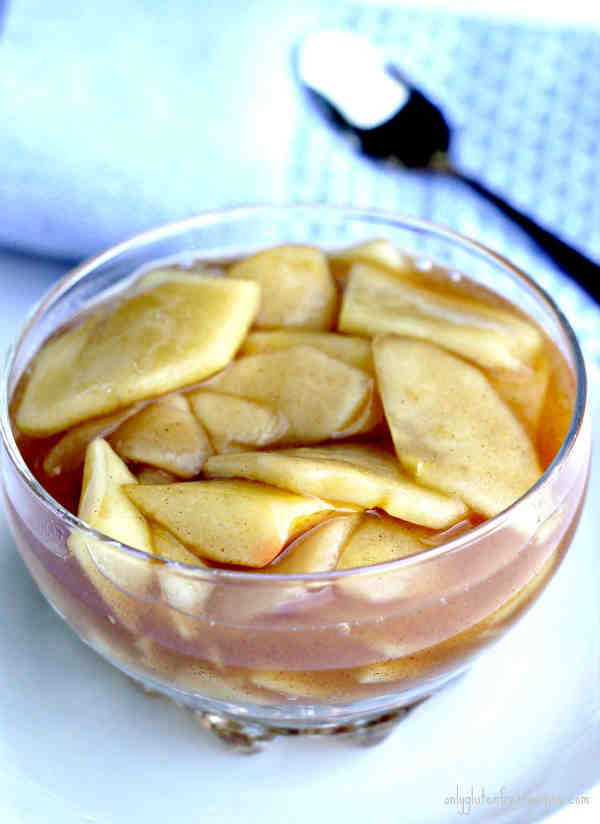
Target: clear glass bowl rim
377, 217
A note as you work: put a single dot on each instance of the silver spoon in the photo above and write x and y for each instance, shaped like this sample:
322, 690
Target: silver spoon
361, 93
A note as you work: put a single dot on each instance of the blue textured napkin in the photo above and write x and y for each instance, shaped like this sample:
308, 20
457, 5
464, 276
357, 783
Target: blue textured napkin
119, 116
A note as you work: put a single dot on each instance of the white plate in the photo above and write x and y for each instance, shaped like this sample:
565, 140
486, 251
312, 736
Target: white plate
80, 743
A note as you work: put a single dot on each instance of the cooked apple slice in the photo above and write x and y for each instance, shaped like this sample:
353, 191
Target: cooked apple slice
165, 434
524, 390
350, 349
378, 302
174, 272
365, 476
377, 541
150, 475
233, 422
168, 547
319, 550
68, 453
200, 677
557, 410
149, 343
153, 656
378, 252
315, 684
450, 428
52, 367
119, 578
191, 674
398, 669
320, 397
297, 289
103, 505
183, 592
494, 623
235, 522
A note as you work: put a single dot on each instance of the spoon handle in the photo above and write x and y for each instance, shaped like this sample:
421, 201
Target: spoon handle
581, 268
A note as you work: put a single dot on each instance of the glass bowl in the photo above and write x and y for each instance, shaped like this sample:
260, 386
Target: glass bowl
256, 655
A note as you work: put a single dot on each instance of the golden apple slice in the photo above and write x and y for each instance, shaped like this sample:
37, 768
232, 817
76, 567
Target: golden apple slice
524, 390
150, 475
189, 673
450, 428
234, 522
146, 344
365, 476
398, 669
182, 591
557, 410
153, 277
377, 541
166, 435
493, 624
307, 685
297, 289
119, 578
378, 252
168, 547
320, 397
233, 422
350, 349
153, 656
68, 453
200, 677
378, 302
318, 550
103, 504
52, 367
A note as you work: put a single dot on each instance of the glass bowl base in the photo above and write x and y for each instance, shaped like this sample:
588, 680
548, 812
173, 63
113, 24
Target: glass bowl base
251, 736
242, 732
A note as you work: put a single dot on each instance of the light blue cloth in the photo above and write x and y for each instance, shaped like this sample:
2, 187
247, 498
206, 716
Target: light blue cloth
118, 116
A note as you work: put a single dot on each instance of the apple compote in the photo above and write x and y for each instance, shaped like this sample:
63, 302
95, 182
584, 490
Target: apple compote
289, 446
